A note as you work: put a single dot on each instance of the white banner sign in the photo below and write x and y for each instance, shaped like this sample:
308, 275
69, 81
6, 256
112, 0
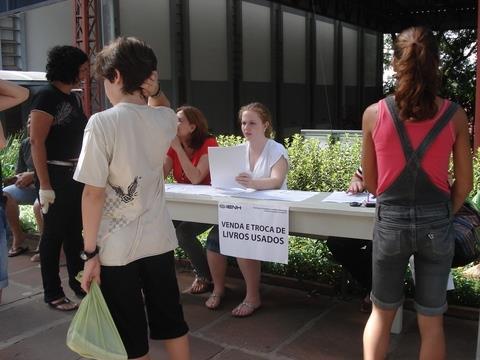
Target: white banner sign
253, 231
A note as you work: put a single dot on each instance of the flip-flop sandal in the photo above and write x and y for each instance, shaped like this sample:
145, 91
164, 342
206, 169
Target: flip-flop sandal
35, 258
251, 309
216, 300
59, 304
17, 251
200, 285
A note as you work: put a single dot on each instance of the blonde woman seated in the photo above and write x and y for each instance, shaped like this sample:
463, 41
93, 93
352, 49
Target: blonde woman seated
267, 162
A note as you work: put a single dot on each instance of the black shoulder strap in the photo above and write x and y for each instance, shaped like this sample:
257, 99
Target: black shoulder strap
432, 134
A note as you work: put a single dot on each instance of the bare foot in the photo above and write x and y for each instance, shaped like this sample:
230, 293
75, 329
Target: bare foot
15, 251
35, 258
200, 285
245, 309
18, 241
214, 301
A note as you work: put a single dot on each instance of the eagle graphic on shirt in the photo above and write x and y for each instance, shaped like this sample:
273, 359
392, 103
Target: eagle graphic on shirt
131, 191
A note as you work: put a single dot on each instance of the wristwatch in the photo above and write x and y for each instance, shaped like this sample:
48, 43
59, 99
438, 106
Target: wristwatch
88, 255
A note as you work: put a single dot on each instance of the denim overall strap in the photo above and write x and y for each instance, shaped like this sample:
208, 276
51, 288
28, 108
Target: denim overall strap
413, 186
436, 129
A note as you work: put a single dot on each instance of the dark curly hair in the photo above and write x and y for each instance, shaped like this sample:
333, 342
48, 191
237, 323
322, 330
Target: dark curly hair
416, 61
133, 59
63, 63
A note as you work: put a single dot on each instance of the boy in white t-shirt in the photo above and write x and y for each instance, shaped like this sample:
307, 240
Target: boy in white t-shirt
128, 234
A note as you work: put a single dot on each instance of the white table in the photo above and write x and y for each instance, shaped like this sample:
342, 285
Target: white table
310, 217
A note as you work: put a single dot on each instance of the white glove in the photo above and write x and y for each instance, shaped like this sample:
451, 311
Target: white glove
46, 197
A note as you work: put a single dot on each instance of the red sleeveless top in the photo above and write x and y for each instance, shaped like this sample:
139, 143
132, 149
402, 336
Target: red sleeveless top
178, 173
391, 159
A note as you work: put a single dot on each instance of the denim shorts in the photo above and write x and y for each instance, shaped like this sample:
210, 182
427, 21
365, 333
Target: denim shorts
23, 196
213, 240
3, 251
423, 231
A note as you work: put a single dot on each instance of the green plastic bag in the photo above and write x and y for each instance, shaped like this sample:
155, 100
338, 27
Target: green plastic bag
92, 332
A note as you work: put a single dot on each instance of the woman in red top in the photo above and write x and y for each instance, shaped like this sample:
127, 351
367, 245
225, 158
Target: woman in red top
188, 158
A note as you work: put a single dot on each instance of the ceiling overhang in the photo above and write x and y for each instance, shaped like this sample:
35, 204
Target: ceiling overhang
389, 16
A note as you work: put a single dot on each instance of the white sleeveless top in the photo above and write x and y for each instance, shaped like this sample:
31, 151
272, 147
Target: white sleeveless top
271, 153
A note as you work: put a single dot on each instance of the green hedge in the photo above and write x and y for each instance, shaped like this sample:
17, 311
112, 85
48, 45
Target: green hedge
9, 155
312, 168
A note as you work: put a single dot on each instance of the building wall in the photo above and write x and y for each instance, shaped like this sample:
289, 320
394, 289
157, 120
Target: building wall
150, 22
46, 27
311, 71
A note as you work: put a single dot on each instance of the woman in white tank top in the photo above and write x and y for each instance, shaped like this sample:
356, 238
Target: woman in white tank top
267, 164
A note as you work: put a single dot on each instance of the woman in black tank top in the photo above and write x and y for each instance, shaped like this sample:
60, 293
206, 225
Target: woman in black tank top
57, 124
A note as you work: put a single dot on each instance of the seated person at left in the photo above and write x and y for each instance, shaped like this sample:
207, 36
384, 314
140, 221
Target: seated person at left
22, 191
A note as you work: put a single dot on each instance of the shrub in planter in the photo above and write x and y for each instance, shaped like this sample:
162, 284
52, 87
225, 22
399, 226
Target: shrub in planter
9, 155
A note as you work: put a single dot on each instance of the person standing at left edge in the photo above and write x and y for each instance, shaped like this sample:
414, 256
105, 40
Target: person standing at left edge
10, 95
56, 133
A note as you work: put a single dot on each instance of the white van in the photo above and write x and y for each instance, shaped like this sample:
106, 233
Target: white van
14, 119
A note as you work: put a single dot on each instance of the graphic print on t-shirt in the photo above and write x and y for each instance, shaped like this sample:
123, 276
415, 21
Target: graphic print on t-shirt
62, 116
131, 191
113, 203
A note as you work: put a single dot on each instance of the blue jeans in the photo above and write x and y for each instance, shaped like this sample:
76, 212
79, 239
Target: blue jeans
425, 232
3, 251
23, 196
213, 240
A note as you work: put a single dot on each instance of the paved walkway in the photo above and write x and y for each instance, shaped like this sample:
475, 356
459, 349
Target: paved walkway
291, 325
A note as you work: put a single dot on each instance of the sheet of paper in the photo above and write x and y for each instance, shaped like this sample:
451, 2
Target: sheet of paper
199, 190
344, 197
253, 232
284, 195
225, 164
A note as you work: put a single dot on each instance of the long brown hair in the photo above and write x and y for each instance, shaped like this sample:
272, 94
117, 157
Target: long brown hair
262, 111
196, 117
416, 61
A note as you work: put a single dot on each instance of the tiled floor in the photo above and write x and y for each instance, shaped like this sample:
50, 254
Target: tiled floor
290, 325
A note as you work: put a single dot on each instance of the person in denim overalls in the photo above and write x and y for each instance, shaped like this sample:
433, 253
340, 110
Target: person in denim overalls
407, 142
